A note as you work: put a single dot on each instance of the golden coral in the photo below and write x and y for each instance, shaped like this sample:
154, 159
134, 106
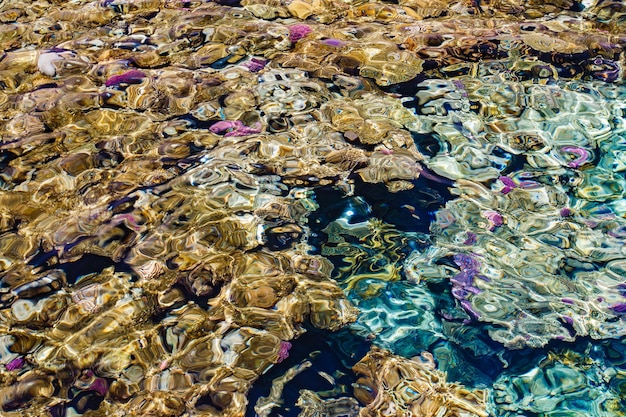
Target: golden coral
412, 387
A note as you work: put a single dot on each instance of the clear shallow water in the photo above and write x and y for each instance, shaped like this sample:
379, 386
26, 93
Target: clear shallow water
312, 208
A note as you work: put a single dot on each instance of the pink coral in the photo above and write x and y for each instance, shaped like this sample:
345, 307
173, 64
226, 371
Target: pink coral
582, 154
283, 351
235, 128
495, 218
298, 31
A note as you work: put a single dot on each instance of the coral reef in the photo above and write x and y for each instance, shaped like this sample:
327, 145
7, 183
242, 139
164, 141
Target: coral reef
412, 387
165, 239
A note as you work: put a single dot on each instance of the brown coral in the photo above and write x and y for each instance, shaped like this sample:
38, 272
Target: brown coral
412, 387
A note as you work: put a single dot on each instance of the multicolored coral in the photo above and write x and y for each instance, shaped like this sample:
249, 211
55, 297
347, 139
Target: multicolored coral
160, 161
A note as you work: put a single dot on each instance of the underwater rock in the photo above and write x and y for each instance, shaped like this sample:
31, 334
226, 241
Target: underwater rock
412, 387
312, 405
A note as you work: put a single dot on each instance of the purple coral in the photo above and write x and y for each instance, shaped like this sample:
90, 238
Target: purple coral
466, 262
335, 43
462, 283
529, 184
100, 386
604, 69
90, 382
15, 364
461, 87
283, 351
129, 77
508, 183
583, 155
235, 128
298, 31
255, 64
618, 308
494, 218
464, 278
619, 232
470, 309
471, 238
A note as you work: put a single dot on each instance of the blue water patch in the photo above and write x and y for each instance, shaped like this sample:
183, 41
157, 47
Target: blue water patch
324, 361
409, 317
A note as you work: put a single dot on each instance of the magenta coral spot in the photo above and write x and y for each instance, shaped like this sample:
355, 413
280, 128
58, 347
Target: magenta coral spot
224, 125
434, 177
15, 364
245, 130
618, 308
466, 262
100, 386
583, 155
283, 351
508, 183
567, 301
471, 239
298, 31
234, 128
495, 218
529, 184
129, 77
565, 212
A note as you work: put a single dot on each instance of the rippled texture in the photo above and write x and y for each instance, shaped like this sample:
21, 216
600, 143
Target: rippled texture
534, 276
562, 381
188, 187
413, 386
